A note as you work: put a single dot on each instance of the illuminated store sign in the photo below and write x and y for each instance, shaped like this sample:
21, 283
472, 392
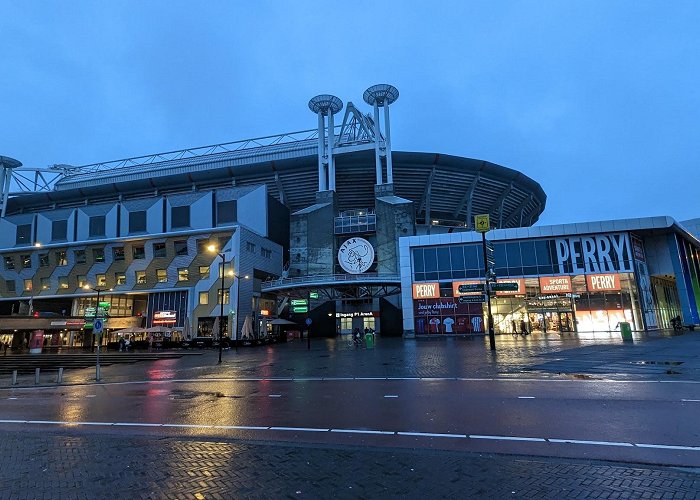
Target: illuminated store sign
163, 317
426, 290
603, 282
555, 284
594, 254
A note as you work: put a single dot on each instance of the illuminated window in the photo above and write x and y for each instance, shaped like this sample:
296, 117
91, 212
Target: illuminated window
61, 259
162, 275
9, 262
203, 272
82, 280
203, 298
140, 277
101, 280
183, 274
63, 282
26, 261
227, 297
45, 283
120, 278
28, 285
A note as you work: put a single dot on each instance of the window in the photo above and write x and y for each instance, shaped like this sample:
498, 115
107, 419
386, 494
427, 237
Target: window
181, 247
265, 252
227, 297
44, 259
24, 234
63, 282
82, 280
9, 262
98, 254
59, 230
28, 285
162, 275
97, 226
118, 253
26, 261
226, 211
139, 253
79, 256
140, 277
120, 278
183, 274
10, 284
180, 217
101, 280
203, 272
250, 246
203, 298
158, 250
45, 283
227, 268
137, 222
61, 259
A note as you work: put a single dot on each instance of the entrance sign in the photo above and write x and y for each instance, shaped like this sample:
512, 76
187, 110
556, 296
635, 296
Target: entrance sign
603, 282
426, 290
164, 317
555, 284
356, 255
481, 223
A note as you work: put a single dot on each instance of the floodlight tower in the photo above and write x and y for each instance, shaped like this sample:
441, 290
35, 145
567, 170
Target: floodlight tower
6, 166
381, 96
326, 105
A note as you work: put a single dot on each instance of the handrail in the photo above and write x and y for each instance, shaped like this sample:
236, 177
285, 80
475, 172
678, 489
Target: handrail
326, 278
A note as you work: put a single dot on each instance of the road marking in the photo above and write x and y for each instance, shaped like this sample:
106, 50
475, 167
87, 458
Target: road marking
685, 400
583, 441
391, 395
90, 395
431, 434
360, 431
507, 438
526, 397
274, 395
11, 398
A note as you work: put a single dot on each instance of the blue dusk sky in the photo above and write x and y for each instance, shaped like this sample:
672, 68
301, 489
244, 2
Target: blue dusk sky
598, 101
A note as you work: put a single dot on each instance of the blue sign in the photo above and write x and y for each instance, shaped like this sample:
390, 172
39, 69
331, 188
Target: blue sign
97, 325
308, 321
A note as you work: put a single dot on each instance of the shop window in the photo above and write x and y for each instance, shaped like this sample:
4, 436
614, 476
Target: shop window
28, 285
162, 275
98, 254
226, 212
9, 262
45, 283
137, 222
101, 280
203, 298
118, 253
82, 280
59, 230
183, 274
181, 247
26, 261
140, 277
180, 217
63, 282
158, 250
79, 256
227, 296
61, 258
204, 272
24, 234
97, 226
10, 284
139, 252
120, 278
44, 259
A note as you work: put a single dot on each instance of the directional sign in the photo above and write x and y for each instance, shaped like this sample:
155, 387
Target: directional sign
481, 223
471, 287
472, 299
97, 325
504, 287
299, 302
308, 321
300, 309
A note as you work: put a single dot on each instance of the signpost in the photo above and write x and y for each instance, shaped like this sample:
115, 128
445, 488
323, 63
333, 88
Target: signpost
308, 333
504, 287
472, 299
471, 287
483, 225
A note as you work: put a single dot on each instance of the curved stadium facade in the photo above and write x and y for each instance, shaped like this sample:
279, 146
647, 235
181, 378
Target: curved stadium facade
278, 208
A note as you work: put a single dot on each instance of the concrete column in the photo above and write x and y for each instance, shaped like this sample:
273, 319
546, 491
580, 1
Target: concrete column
331, 160
378, 161
321, 151
387, 142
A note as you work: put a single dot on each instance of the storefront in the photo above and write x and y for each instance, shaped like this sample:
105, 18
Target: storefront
565, 282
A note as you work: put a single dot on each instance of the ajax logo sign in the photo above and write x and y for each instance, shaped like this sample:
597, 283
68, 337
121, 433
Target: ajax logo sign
356, 255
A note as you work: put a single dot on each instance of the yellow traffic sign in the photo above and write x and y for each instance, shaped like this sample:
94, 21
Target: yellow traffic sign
481, 223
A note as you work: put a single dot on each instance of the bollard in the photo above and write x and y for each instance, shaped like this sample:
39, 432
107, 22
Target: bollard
37, 371
14, 377
59, 378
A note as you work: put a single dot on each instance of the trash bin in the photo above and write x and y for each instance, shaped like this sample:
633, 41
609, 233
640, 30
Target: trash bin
369, 340
626, 331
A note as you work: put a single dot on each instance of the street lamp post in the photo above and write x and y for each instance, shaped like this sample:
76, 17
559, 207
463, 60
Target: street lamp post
221, 314
97, 307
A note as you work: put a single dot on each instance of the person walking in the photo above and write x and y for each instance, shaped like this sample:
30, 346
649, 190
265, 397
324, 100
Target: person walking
5, 346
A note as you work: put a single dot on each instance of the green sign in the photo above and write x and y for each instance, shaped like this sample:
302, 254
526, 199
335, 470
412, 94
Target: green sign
300, 309
313, 295
300, 302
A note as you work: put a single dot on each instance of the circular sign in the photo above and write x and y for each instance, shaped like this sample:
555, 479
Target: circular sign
356, 255
97, 325
308, 321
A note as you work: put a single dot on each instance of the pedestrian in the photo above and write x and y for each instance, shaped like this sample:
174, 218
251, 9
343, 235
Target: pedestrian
121, 344
6, 345
523, 328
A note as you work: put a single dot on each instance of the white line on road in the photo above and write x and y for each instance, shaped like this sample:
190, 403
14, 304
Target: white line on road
391, 395
526, 397
274, 395
691, 400
11, 398
360, 431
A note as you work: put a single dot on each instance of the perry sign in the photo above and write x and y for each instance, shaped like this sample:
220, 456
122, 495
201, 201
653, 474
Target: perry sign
356, 255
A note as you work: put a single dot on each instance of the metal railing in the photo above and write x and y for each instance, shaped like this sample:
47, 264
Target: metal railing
330, 279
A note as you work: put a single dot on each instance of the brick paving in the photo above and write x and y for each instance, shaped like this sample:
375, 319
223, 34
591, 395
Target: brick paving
68, 464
